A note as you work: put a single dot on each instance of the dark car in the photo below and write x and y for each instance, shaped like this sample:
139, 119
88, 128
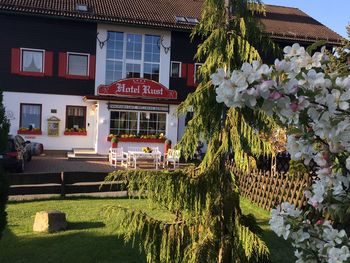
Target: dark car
16, 154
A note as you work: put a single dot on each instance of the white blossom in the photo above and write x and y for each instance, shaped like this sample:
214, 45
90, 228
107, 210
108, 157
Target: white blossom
294, 88
218, 78
294, 50
338, 255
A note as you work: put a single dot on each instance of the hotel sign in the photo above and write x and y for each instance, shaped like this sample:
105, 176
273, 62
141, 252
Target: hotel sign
135, 87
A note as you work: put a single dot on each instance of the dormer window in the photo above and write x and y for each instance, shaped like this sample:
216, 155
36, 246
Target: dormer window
186, 19
81, 8
192, 20
180, 19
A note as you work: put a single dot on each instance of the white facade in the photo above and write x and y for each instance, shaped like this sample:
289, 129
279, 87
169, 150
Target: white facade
97, 111
103, 113
12, 101
102, 30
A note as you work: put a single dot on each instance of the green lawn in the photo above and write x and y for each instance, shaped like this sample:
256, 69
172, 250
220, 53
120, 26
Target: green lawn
92, 236
280, 249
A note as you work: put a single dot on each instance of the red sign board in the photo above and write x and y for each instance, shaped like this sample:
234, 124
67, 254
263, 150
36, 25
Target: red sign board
135, 87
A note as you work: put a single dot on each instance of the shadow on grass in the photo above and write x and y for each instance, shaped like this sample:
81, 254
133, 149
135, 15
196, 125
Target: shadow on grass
84, 225
280, 249
82, 197
67, 247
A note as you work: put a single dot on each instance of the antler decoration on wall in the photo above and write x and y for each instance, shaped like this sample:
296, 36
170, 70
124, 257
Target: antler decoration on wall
100, 42
166, 49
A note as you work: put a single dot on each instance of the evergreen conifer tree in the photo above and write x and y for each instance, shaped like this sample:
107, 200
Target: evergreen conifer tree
341, 61
207, 224
4, 130
4, 124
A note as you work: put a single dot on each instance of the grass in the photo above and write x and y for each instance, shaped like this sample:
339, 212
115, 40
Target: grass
91, 235
280, 249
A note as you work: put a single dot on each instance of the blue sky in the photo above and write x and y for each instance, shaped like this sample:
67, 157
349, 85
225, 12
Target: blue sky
334, 14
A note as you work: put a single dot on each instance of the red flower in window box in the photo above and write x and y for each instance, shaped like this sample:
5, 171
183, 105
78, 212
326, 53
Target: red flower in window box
81, 132
75, 133
35, 131
154, 140
138, 138
109, 137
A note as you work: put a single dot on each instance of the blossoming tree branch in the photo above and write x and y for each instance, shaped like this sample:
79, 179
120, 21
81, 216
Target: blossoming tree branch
312, 103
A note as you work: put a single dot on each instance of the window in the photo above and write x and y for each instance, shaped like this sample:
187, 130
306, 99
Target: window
180, 19
175, 70
115, 51
187, 19
76, 117
152, 123
197, 77
152, 57
73, 65
123, 122
30, 116
81, 7
192, 20
132, 56
78, 64
32, 60
143, 123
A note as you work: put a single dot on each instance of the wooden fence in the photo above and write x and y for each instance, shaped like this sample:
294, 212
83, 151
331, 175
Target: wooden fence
263, 188
60, 183
268, 189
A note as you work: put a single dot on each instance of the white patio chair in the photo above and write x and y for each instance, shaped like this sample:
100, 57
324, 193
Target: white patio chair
158, 158
117, 154
173, 156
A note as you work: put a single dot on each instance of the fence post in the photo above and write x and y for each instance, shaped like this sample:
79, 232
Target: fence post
63, 185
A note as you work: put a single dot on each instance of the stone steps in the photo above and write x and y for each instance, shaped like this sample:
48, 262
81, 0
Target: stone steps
86, 154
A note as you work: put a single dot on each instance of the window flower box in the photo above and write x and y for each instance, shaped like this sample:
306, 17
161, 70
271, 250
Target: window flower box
30, 132
148, 140
81, 133
133, 138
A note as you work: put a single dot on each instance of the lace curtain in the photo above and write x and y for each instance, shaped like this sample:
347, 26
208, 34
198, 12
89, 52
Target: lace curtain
32, 61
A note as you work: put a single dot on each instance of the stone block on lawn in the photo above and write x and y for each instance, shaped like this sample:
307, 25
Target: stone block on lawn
49, 221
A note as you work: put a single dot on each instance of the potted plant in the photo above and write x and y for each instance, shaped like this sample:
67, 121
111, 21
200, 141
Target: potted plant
114, 141
167, 146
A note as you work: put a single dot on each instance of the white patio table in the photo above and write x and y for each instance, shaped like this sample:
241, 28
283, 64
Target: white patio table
135, 155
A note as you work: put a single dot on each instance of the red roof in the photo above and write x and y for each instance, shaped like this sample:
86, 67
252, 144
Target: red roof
280, 22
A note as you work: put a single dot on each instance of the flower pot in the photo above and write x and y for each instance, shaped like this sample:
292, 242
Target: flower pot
114, 145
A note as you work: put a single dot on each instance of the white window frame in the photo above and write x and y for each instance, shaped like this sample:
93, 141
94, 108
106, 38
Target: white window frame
78, 54
123, 59
171, 68
195, 71
139, 118
36, 50
140, 62
129, 60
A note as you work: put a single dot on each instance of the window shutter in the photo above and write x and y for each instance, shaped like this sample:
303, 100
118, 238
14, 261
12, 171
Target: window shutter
190, 75
48, 63
15, 60
92, 66
62, 64
183, 70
